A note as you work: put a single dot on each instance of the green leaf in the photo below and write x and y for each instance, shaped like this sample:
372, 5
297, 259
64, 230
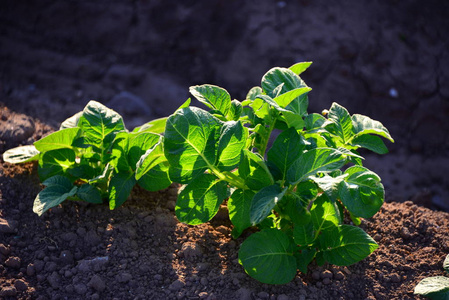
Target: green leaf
72, 121
89, 193
341, 118
314, 122
239, 205
345, 245
300, 67
152, 157
119, 157
156, 178
314, 161
370, 142
53, 195
55, 162
236, 111
285, 99
276, 76
303, 258
232, 140
329, 184
303, 234
287, 148
120, 187
100, 124
365, 125
254, 171
139, 144
264, 201
294, 209
191, 135
361, 192
21, 154
324, 215
58, 140
254, 93
213, 96
200, 200
268, 257
154, 126
436, 288
60, 181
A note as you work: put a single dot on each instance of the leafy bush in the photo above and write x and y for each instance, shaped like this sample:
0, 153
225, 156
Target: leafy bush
436, 287
296, 192
93, 157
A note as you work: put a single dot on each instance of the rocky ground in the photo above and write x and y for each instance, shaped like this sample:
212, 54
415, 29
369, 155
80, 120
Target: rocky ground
386, 59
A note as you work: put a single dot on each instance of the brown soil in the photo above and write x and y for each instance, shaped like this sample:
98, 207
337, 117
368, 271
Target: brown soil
140, 250
385, 59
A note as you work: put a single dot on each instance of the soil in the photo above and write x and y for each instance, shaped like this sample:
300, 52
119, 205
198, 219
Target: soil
385, 59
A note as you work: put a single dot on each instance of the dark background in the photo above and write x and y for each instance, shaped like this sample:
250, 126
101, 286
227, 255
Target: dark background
385, 59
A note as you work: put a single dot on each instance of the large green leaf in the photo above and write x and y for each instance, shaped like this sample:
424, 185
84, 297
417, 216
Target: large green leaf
120, 187
100, 124
314, 161
152, 158
264, 201
435, 288
324, 214
303, 234
361, 192
232, 140
286, 98
55, 162
154, 126
280, 76
213, 96
21, 154
268, 257
287, 148
139, 144
200, 200
254, 171
119, 151
365, 125
239, 205
370, 142
57, 140
156, 178
191, 135
58, 189
235, 111
304, 257
341, 119
72, 121
345, 245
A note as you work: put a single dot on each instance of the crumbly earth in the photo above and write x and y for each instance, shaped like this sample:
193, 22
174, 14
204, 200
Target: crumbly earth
141, 251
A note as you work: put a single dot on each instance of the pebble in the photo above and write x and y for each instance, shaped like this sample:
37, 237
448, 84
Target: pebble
190, 250
204, 281
31, 270
339, 275
326, 274
68, 236
21, 285
80, 288
66, 257
395, 278
54, 280
97, 283
263, 295
243, 294
405, 233
326, 281
8, 291
283, 297
4, 250
13, 262
316, 275
124, 277
176, 285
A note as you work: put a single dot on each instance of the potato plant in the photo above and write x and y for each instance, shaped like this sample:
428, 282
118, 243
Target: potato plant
296, 192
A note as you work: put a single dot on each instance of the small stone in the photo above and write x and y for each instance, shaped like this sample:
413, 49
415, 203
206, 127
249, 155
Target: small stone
13, 262
80, 288
339, 275
176, 285
243, 294
54, 279
66, 257
21, 285
202, 266
282, 297
326, 274
191, 250
31, 270
405, 233
4, 250
326, 281
97, 283
316, 275
149, 219
204, 281
158, 277
263, 295
203, 295
91, 238
124, 277
69, 236
8, 291
6, 226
